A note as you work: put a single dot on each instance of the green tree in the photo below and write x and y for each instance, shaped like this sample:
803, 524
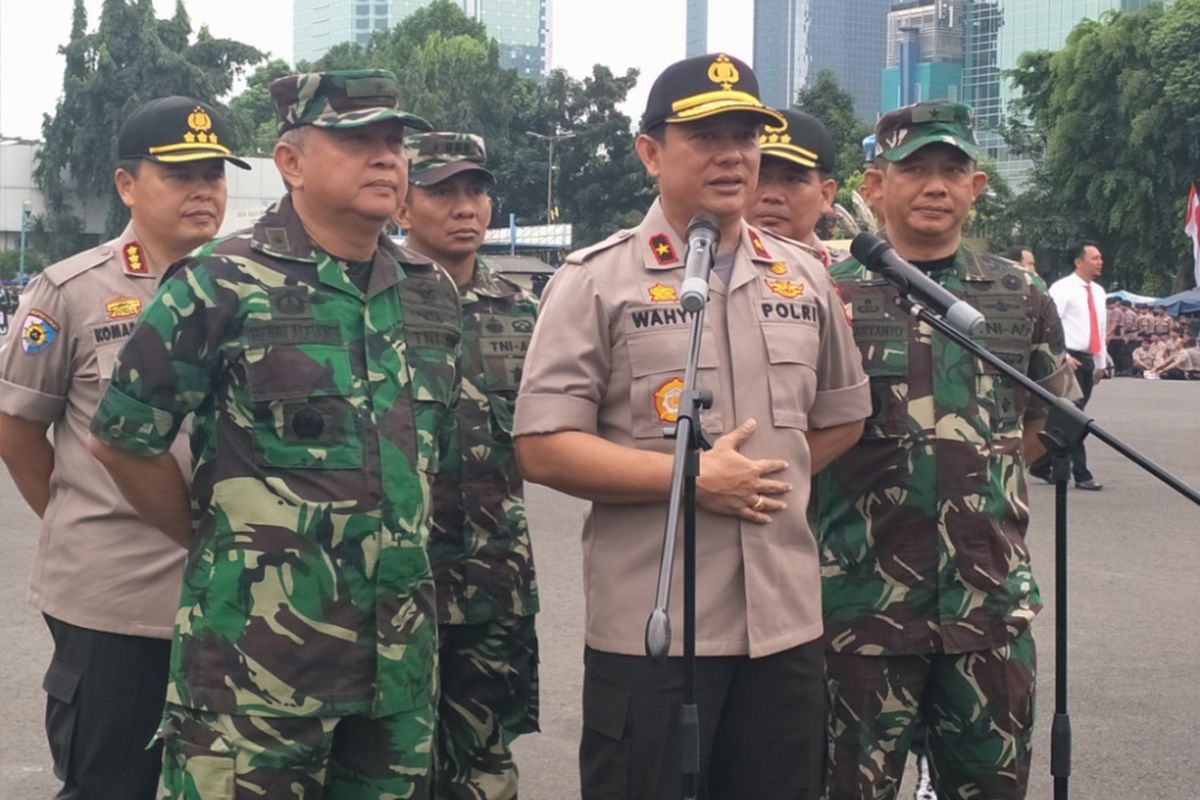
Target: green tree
827, 101
131, 58
600, 183
1114, 115
251, 113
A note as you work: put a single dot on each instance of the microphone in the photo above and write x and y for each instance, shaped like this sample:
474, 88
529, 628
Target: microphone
879, 256
703, 234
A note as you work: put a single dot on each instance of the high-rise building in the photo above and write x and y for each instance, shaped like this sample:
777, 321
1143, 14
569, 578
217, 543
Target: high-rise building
998, 32
795, 39
521, 27
697, 28
924, 52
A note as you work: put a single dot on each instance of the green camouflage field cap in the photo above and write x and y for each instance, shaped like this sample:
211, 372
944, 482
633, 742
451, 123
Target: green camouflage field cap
434, 157
902, 132
340, 99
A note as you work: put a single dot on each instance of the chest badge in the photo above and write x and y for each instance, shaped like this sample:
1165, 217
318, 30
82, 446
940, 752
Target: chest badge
122, 307
661, 293
785, 289
778, 268
666, 400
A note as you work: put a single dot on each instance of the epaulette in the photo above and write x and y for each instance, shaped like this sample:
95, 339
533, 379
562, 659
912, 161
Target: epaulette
772, 234
407, 257
580, 256
68, 268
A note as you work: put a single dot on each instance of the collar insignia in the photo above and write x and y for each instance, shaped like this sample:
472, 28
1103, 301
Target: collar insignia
661, 293
663, 250
756, 242
785, 288
135, 261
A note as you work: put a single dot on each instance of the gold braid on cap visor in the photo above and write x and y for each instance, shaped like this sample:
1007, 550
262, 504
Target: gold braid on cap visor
706, 104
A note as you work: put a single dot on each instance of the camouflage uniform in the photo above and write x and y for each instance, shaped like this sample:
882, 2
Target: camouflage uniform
323, 395
479, 546
482, 556
927, 590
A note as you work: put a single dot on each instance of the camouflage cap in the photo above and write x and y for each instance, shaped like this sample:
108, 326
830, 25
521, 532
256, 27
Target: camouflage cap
340, 99
434, 157
904, 131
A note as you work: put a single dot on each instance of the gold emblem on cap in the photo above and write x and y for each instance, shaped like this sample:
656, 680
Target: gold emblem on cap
774, 134
200, 123
724, 72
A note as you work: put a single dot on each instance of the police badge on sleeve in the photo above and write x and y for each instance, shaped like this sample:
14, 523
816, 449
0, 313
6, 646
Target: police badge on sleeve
38, 331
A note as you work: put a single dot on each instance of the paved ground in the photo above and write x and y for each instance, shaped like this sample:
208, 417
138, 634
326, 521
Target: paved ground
1134, 636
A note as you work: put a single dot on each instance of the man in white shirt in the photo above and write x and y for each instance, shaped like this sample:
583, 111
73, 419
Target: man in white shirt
1080, 302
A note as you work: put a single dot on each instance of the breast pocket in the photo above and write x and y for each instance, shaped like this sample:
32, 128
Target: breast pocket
656, 361
304, 413
886, 366
1003, 400
791, 372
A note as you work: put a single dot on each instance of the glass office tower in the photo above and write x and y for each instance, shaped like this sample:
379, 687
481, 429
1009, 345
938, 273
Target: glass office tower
998, 32
796, 39
521, 27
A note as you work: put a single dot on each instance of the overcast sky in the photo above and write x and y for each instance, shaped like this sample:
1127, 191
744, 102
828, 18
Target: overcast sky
647, 34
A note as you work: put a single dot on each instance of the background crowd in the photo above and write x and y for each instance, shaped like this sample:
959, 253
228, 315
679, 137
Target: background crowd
1145, 342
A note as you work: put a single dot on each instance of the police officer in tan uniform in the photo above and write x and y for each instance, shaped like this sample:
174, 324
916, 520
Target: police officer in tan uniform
603, 376
107, 583
795, 182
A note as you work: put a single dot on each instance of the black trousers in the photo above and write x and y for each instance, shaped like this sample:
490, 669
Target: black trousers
1085, 375
762, 726
104, 699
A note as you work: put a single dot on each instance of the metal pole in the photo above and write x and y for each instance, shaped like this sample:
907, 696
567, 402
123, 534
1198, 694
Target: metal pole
24, 220
550, 183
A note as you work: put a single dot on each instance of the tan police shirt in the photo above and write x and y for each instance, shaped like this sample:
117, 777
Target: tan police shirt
98, 566
607, 358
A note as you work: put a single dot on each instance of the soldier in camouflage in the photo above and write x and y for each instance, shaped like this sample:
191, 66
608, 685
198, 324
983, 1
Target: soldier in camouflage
319, 362
479, 545
927, 589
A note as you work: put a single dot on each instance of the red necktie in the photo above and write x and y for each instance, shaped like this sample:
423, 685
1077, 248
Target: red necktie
1094, 337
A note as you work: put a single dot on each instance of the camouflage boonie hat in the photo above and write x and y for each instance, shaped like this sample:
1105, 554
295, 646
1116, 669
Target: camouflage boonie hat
340, 99
434, 157
902, 132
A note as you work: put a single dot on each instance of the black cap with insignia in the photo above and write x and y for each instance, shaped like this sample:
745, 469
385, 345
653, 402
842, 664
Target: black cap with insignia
174, 130
702, 86
802, 139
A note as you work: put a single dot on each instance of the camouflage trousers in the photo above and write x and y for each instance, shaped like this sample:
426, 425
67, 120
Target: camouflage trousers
489, 697
974, 710
211, 756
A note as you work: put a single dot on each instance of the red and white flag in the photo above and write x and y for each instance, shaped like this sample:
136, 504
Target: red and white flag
1192, 227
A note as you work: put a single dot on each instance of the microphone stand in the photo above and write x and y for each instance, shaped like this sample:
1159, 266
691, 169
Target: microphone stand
1066, 426
689, 441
